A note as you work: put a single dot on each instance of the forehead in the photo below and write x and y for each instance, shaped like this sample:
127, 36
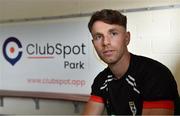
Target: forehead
101, 27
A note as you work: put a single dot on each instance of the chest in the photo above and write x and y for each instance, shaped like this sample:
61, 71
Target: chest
123, 96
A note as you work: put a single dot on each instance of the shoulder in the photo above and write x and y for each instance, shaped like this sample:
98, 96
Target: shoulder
150, 65
152, 71
98, 82
156, 79
103, 74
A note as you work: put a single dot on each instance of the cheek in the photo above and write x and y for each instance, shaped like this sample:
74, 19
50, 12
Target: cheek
118, 43
97, 48
123, 41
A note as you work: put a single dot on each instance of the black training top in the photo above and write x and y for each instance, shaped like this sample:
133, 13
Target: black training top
145, 80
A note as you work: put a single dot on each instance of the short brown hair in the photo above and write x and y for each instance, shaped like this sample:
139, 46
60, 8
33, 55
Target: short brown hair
108, 16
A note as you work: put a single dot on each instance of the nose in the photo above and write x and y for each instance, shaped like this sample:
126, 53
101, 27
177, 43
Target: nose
106, 40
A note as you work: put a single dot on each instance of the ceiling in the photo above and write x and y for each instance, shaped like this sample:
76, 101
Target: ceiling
19, 9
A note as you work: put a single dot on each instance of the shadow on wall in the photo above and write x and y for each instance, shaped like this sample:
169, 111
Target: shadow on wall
177, 74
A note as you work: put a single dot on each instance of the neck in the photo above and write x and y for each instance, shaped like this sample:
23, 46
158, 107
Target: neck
120, 68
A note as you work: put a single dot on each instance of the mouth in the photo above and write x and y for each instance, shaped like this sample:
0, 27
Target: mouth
107, 52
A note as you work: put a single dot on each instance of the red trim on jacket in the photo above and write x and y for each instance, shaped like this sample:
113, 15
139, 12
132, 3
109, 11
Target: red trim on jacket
96, 99
167, 104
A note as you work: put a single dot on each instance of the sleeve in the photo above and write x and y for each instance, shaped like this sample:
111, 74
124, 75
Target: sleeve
96, 93
159, 88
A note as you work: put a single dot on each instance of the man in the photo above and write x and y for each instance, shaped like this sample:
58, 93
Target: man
131, 84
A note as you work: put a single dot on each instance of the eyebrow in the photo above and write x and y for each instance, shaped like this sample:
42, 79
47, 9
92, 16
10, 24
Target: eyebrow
109, 30
113, 29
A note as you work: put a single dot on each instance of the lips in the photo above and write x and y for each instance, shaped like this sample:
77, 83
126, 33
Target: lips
108, 52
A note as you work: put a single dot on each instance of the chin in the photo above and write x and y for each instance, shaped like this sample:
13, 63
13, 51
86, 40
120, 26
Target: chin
109, 61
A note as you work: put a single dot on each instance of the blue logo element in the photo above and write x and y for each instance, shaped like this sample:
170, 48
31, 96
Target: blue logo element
12, 61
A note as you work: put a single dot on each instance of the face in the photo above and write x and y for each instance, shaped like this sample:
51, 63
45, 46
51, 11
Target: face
110, 41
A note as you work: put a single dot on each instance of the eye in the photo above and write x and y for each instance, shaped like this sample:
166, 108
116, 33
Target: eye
114, 33
98, 37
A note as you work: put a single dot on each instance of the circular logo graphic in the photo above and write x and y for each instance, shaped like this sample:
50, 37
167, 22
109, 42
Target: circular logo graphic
12, 50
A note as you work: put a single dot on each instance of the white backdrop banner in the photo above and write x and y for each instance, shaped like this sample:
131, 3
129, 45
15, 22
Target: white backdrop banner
48, 56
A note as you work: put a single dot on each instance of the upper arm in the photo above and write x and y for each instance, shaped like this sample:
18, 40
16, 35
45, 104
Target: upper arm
95, 104
157, 111
93, 108
159, 92
161, 107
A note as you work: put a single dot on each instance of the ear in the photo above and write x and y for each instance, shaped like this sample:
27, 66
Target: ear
128, 37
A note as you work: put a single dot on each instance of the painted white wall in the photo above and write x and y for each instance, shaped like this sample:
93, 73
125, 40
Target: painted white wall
153, 33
